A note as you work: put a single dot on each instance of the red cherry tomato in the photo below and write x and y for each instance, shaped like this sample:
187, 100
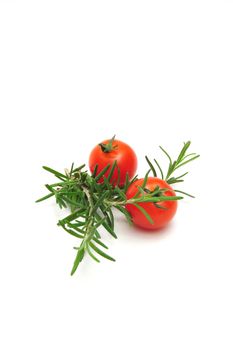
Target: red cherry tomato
110, 151
159, 216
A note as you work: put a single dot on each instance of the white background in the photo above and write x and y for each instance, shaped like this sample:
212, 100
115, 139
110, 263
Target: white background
73, 73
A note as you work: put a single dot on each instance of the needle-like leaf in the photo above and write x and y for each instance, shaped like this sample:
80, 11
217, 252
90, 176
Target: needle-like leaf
92, 202
100, 252
78, 259
144, 212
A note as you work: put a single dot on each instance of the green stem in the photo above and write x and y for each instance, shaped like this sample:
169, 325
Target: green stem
141, 200
89, 231
108, 147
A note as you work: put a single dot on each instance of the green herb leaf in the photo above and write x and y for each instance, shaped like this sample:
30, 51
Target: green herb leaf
151, 166
144, 212
56, 173
98, 177
78, 259
100, 252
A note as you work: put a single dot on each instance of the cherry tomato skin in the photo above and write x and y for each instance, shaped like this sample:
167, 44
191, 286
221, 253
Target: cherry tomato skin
161, 217
122, 153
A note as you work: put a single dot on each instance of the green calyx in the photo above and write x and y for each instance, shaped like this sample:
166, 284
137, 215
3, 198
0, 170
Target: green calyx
108, 147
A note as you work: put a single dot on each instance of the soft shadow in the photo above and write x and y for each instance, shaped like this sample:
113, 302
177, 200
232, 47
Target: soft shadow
134, 231
163, 231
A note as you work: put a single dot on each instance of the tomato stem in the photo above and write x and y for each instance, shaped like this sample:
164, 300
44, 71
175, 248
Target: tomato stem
108, 147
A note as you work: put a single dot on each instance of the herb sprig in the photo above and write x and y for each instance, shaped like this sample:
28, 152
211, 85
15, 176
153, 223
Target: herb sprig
182, 159
91, 203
